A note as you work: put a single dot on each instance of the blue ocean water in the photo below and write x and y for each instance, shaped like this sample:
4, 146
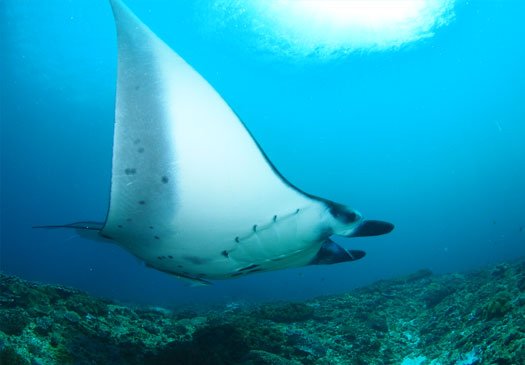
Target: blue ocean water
429, 136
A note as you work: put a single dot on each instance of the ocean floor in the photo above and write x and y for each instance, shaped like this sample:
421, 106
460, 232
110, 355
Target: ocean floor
469, 318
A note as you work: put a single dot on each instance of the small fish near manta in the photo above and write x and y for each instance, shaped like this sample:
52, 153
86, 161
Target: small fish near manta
192, 193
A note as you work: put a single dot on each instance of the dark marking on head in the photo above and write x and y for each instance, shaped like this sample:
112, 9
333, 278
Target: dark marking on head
236, 274
297, 211
342, 213
140, 150
225, 253
325, 232
142, 202
254, 270
164, 179
254, 227
237, 239
275, 218
253, 266
130, 171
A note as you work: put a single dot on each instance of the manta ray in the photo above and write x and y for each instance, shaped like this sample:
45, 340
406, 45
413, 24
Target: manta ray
192, 192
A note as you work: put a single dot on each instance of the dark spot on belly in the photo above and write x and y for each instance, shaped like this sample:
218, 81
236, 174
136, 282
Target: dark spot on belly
180, 266
137, 141
119, 226
254, 228
140, 150
275, 218
129, 220
237, 239
195, 260
150, 227
170, 257
137, 87
130, 171
156, 237
142, 202
164, 179
225, 253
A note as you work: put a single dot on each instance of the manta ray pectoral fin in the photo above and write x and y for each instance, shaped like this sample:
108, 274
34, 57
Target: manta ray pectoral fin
372, 228
331, 253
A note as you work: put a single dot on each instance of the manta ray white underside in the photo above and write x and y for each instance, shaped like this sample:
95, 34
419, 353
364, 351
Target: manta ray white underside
192, 193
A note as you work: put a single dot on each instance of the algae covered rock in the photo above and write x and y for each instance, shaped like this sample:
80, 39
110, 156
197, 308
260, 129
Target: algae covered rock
13, 321
43, 325
8, 356
286, 312
474, 318
258, 357
498, 306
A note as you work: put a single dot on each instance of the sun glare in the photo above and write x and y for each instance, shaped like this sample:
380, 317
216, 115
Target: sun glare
328, 28
366, 13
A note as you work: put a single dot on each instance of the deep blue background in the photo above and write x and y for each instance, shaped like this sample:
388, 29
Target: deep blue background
430, 137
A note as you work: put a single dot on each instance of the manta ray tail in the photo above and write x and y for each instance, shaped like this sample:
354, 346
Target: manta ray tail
86, 229
92, 226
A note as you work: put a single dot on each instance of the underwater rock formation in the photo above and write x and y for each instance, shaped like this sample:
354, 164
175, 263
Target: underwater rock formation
471, 318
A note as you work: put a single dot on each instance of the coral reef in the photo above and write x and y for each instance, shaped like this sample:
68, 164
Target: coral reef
471, 318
